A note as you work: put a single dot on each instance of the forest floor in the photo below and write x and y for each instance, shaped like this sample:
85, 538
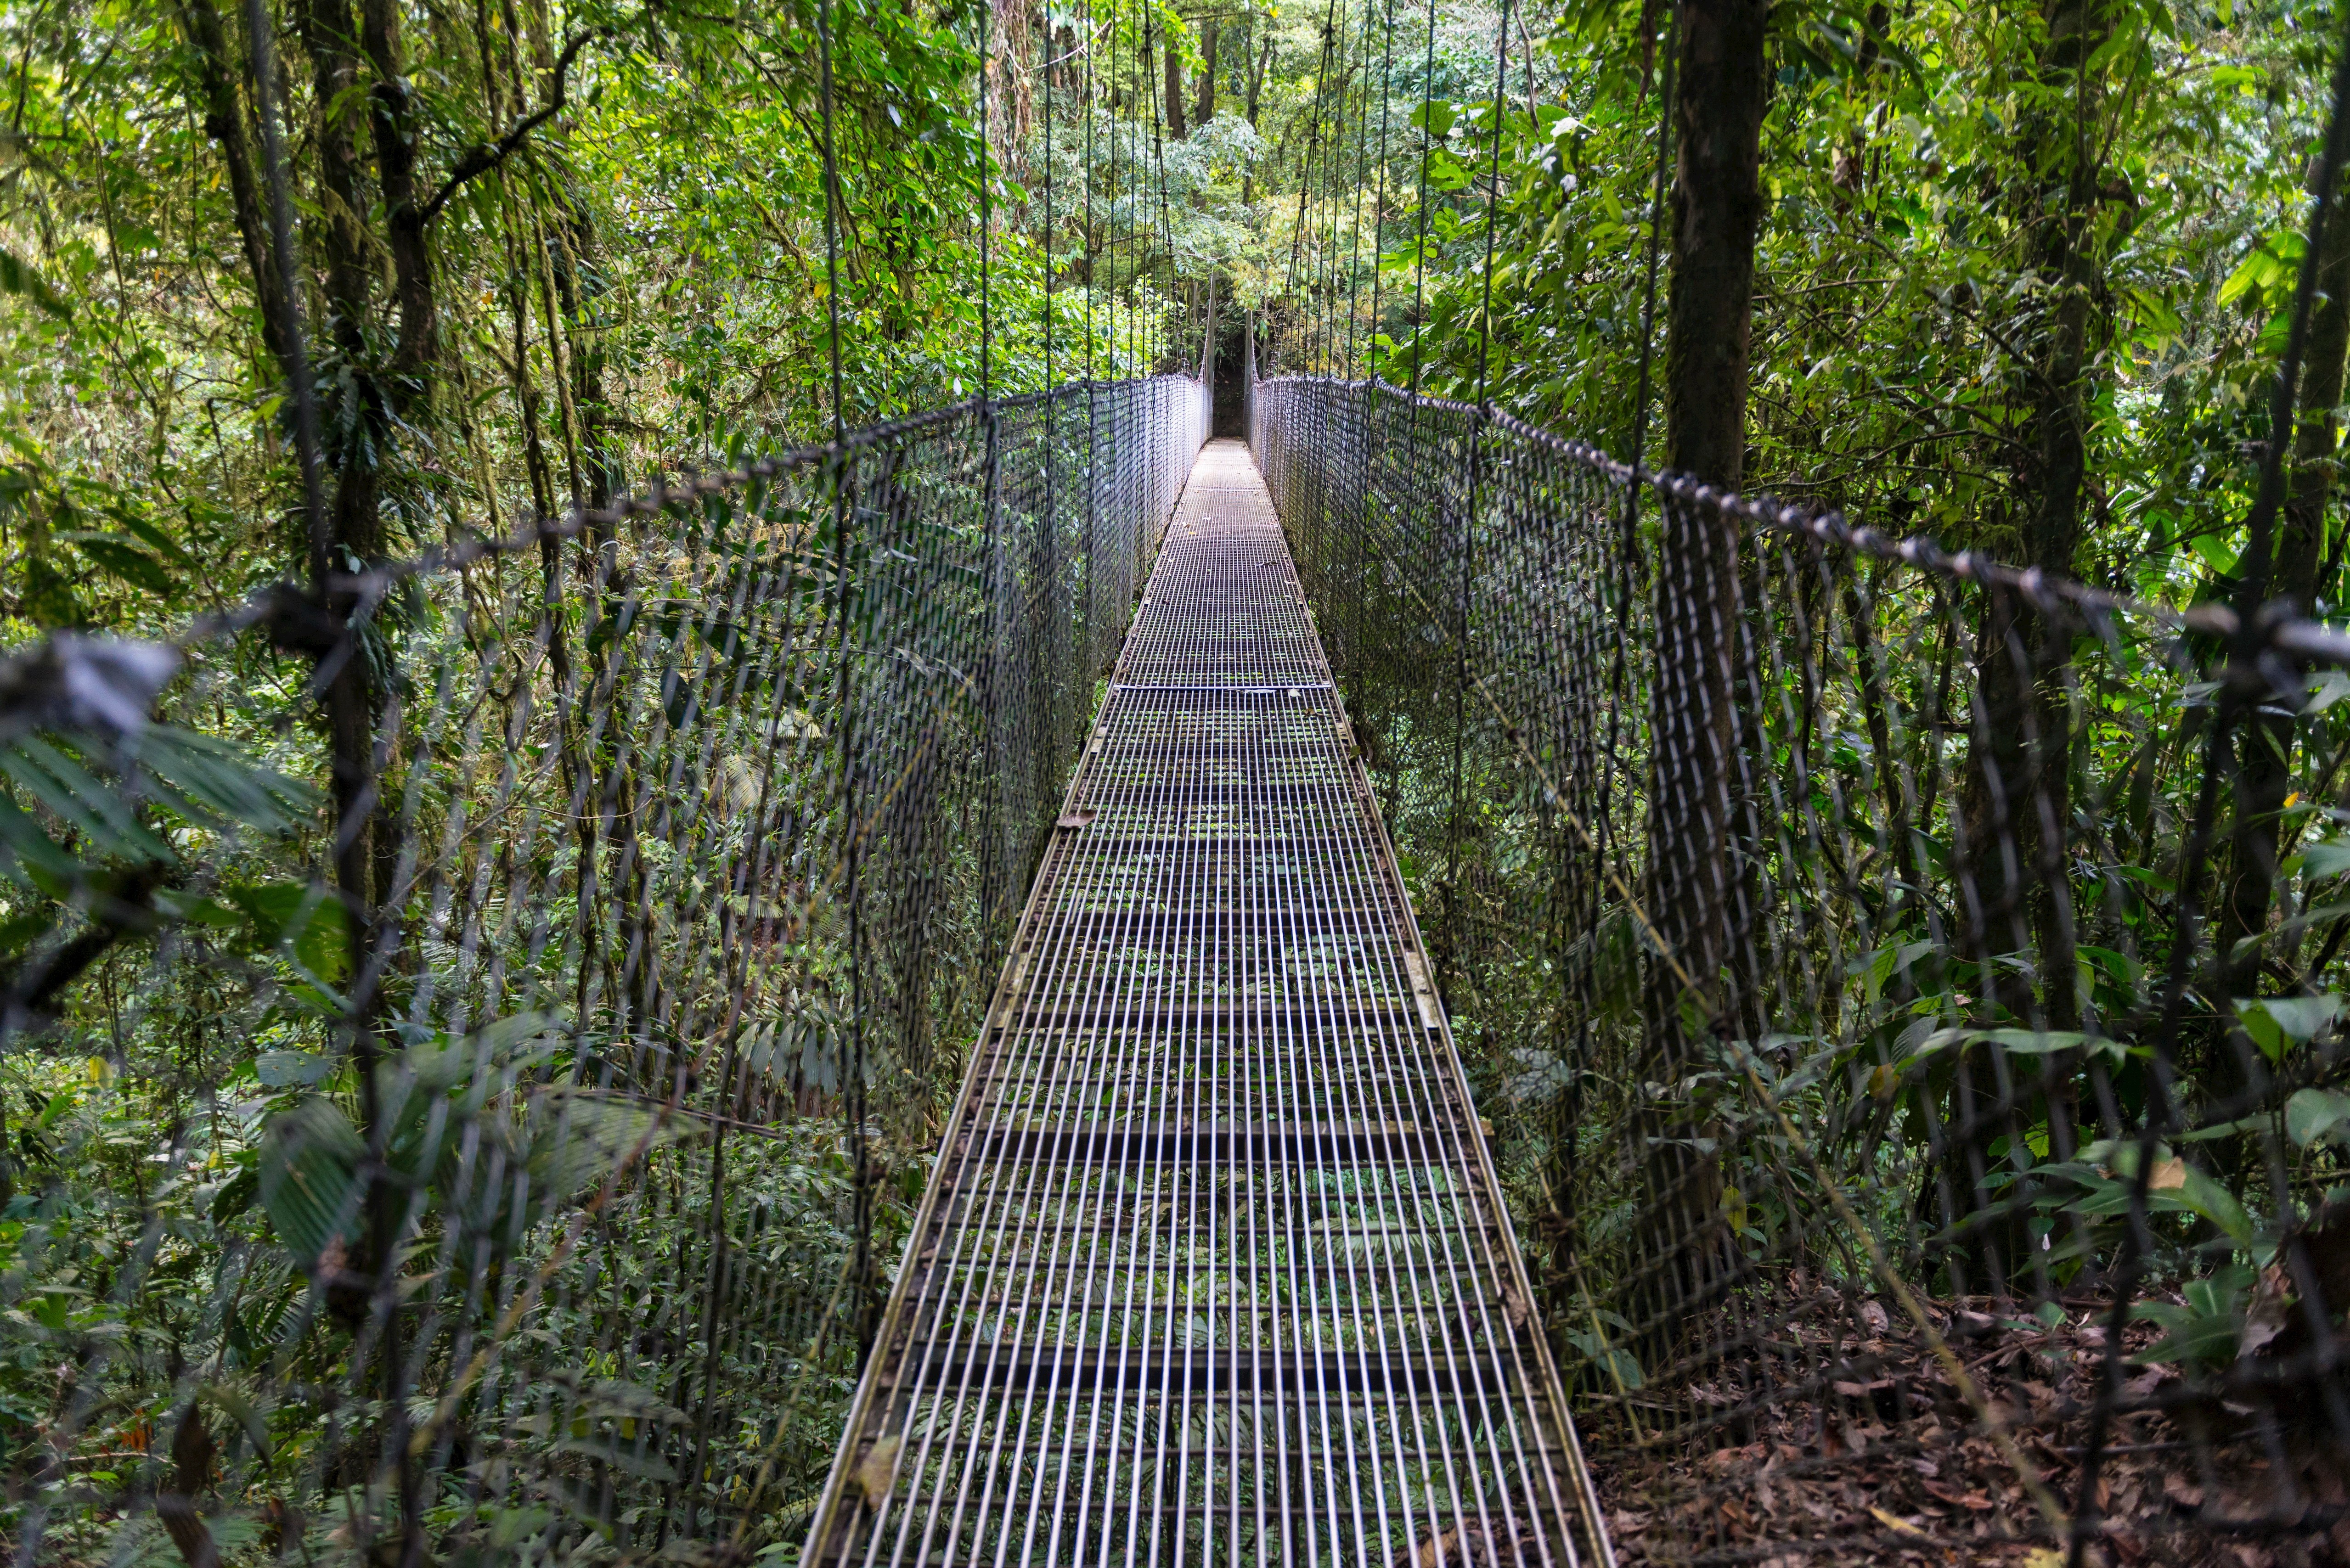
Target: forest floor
1880, 1459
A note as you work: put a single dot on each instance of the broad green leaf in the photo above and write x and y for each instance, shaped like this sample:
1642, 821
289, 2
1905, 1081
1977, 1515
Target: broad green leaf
290, 1069
311, 1184
2314, 1114
2276, 1021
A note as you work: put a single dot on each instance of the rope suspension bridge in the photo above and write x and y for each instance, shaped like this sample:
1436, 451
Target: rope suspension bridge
1215, 1266
1024, 985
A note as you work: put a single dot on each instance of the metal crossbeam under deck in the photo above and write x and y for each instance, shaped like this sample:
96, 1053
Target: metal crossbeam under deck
1214, 1267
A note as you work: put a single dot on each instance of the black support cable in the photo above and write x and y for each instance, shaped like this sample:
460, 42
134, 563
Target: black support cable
1656, 244
1492, 205
1313, 143
1086, 105
1159, 156
1379, 198
1333, 154
1044, 52
1362, 179
2261, 545
865, 1295
1419, 254
986, 216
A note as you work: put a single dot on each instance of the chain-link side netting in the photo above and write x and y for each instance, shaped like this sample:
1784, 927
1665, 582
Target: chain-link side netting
1908, 991
499, 1154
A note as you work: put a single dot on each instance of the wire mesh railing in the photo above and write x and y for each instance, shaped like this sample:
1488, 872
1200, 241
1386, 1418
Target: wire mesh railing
543, 1100
1908, 988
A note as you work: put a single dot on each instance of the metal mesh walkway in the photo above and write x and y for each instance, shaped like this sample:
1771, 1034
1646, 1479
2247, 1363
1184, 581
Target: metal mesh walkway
1213, 1267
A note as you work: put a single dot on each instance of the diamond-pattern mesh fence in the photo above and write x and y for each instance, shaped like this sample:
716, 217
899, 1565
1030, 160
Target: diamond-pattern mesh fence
545, 1096
1908, 991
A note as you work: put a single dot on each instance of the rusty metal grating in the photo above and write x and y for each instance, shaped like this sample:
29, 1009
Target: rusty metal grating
1214, 1266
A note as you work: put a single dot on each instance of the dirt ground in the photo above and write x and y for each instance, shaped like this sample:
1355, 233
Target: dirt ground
1881, 1460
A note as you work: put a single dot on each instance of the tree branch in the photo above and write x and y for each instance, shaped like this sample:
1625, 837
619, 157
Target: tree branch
482, 159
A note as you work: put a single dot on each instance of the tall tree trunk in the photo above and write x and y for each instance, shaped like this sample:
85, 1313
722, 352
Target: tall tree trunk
2016, 804
393, 117
1717, 208
215, 98
1206, 110
1175, 91
2264, 764
1717, 215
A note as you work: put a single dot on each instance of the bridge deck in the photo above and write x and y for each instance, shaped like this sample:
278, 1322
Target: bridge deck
1213, 1268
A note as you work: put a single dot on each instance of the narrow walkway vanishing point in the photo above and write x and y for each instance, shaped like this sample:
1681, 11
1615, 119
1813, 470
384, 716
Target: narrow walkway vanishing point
1214, 1267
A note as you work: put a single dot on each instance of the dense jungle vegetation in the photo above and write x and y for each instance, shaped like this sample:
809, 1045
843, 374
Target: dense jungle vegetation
2017, 276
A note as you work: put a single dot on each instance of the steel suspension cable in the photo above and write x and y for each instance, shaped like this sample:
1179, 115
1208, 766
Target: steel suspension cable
1159, 156
1379, 198
1648, 287
862, 1272
1044, 52
1313, 133
1419, 254
1085, 102
1492, 205
1362, 176
1326, 200
1362, 171
986, 217
1333, 170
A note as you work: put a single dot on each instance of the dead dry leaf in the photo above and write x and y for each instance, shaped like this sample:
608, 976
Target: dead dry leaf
876, 1471
1894, 1522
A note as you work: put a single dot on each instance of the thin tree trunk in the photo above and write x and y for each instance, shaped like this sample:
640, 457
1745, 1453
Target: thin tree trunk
1717, 215
1175, 91
223, 118
1206, 111
2265, 763
2015, 804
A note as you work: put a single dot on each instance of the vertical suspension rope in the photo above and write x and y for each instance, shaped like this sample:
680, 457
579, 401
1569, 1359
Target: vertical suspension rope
1362, 157
1326, 234
1419, 254
1492, 206
1379, 201
865, 1297
1133, 186
1360, 86
1045, 53
1312, 142
1158, 155
1333, 156
1656, 242
1480, 424
1086, 108
986, 217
